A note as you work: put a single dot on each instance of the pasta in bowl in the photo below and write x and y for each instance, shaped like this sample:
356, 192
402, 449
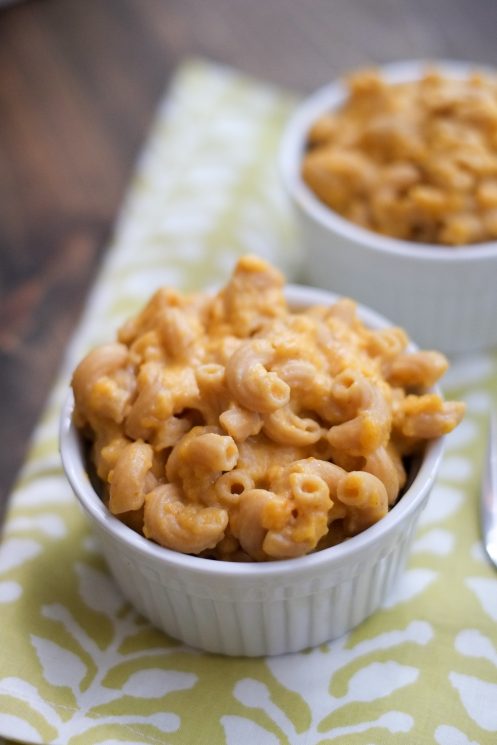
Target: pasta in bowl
385, 173
275, 441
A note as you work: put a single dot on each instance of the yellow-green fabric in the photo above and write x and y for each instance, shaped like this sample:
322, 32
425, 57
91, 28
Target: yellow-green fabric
78, 666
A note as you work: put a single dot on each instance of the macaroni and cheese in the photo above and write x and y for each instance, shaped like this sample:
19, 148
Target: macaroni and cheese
414, 160
232, 427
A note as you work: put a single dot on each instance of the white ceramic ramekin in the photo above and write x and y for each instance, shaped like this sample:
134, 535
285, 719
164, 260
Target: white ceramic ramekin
446, 298
256, 609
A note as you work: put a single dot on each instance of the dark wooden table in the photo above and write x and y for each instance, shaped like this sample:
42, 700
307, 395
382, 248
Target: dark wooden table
79, 81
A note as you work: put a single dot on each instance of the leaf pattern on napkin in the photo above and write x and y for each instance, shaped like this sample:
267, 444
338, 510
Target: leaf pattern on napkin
83, 665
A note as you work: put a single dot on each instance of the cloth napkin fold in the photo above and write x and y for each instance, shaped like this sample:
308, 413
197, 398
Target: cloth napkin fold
78, 666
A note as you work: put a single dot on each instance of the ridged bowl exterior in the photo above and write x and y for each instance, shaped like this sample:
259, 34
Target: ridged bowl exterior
451, 307
445, 297
256, 609
243, 617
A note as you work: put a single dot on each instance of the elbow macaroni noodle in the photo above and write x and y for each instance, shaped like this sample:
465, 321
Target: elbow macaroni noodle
231, 427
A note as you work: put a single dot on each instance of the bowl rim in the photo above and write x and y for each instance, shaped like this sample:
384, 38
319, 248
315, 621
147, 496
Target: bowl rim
333, 557
331, 96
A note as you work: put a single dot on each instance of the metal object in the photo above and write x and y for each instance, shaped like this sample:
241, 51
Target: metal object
488, 507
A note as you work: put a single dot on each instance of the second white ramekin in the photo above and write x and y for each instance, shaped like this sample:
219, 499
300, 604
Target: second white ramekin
445, 297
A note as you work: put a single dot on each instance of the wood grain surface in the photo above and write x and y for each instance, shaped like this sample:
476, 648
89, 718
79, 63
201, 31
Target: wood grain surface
79, 82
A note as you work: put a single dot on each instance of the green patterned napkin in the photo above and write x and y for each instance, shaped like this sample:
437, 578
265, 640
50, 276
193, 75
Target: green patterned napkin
78, 666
